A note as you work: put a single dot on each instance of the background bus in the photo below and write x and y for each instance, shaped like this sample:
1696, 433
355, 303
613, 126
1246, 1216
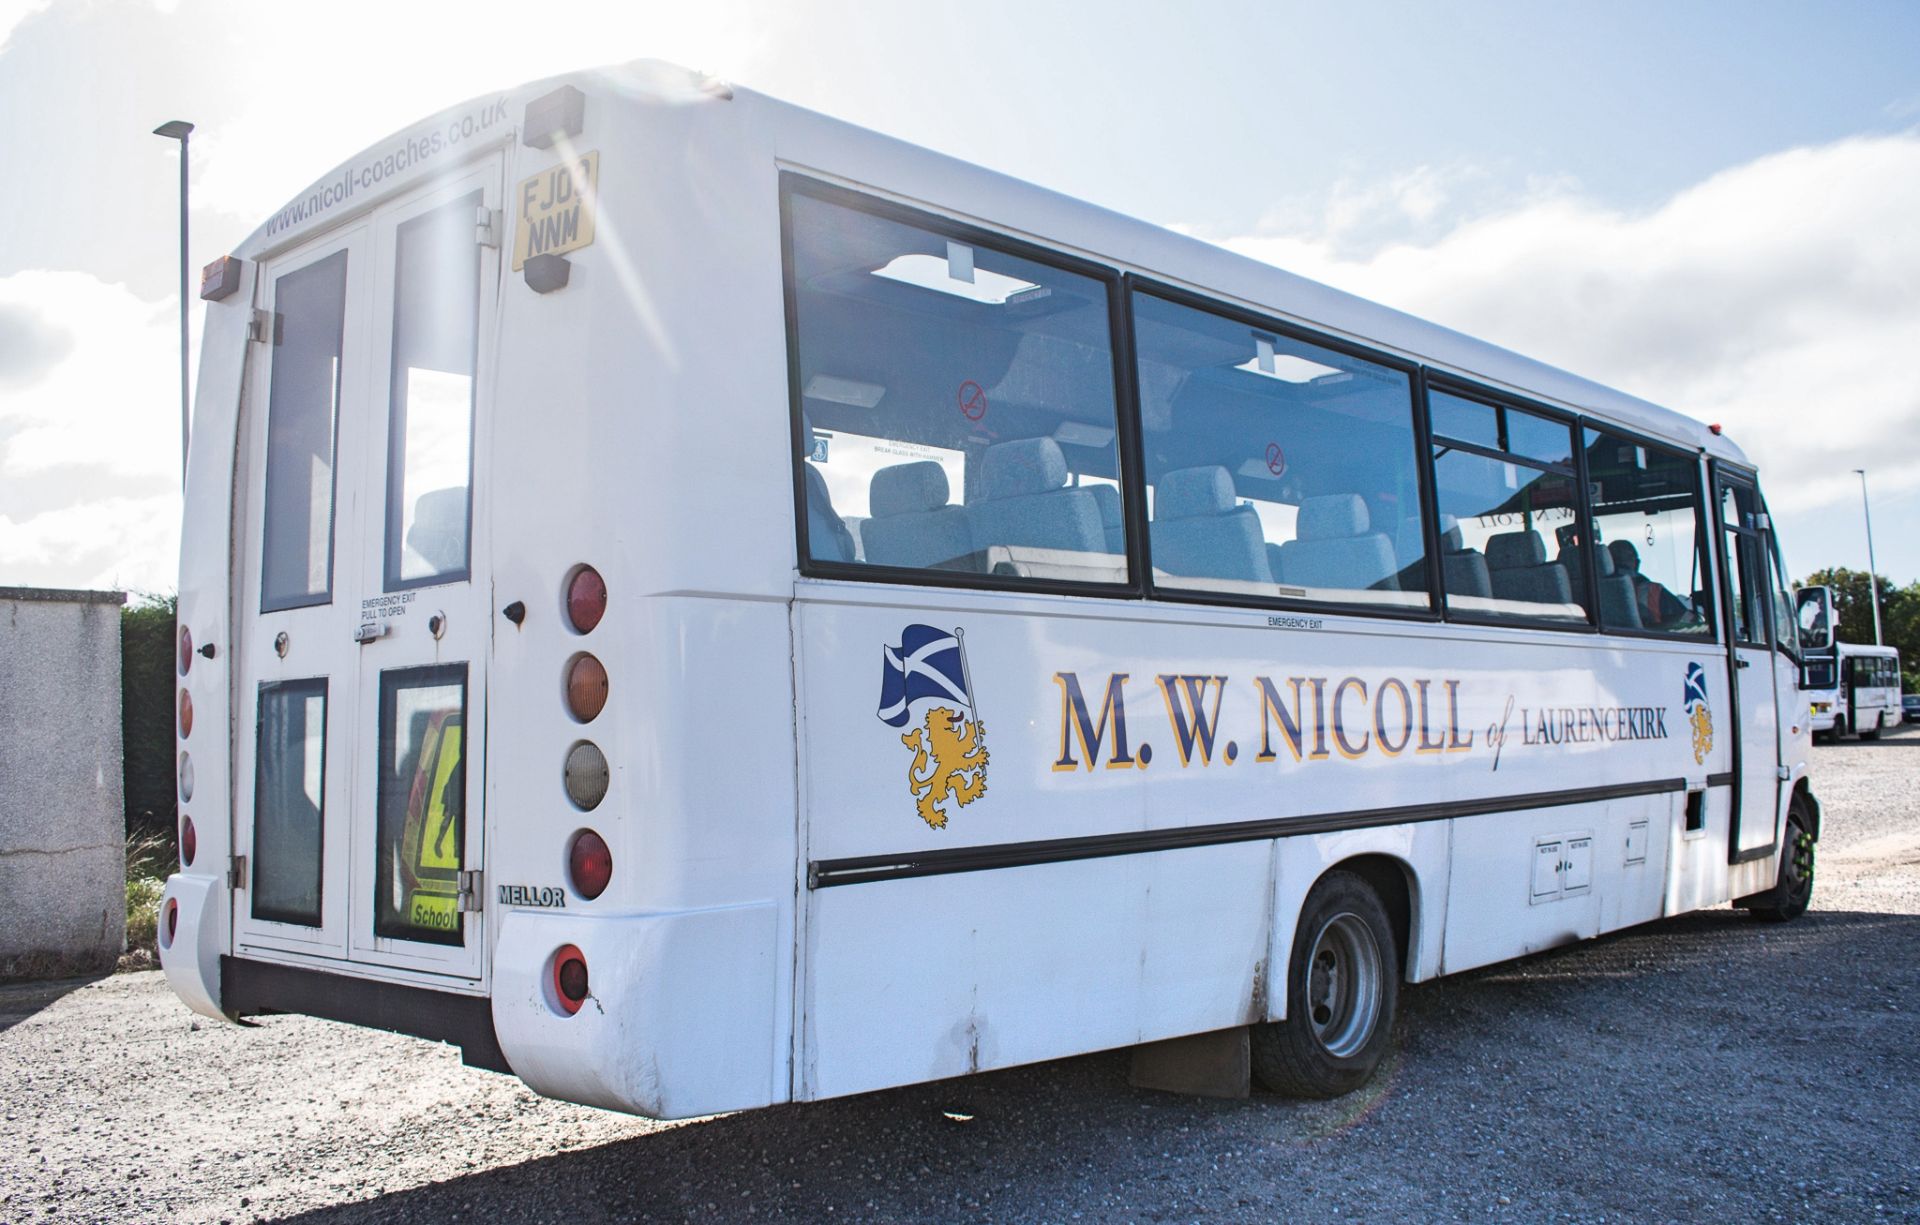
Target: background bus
1820, 681
704, 606
1867, 696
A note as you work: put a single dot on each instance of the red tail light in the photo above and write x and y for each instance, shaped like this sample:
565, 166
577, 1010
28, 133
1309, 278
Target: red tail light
589, 864
569, 978
189, 842
586, 599
586, 687
186, 650
186, 713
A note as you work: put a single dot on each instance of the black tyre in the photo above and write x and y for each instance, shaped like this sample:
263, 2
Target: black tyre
1872, 733
1343, 984
1790, 895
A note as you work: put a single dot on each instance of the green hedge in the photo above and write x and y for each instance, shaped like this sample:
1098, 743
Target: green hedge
148, 655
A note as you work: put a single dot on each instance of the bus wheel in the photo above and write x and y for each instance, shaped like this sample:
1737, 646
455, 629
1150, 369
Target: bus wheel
1343, 984
1790, 895
1874, 734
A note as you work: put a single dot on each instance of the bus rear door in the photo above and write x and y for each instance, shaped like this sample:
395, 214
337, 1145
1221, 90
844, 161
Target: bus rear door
365, 599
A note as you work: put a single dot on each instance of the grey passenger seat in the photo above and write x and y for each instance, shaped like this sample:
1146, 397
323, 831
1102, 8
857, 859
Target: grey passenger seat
1517, 563
1201, 531
1462, 569
827, 536
439, 531
1333, 548
1618, 610
911, 523
1110, 522
1022, 502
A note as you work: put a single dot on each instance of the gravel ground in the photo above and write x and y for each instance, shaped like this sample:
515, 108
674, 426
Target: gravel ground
1707, 1067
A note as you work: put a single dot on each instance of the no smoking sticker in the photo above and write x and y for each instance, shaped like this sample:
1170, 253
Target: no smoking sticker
972, 399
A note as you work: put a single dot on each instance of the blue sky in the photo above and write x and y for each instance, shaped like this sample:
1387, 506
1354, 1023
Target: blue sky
1711, 205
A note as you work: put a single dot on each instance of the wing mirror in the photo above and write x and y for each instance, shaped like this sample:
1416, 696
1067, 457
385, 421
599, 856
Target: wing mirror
1813, 609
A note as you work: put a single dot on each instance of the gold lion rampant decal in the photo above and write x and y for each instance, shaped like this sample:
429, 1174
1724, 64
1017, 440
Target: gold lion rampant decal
927, 673
949, 759
1699, 714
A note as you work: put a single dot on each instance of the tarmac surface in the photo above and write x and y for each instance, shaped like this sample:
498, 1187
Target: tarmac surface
1709, 1067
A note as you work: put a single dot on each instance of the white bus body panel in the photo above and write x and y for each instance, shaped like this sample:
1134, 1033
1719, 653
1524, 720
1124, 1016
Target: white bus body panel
909, 978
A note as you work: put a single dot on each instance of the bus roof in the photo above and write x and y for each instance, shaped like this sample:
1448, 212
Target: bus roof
806, 139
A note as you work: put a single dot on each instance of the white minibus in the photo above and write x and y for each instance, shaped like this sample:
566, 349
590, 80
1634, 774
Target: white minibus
1868, 690
703, 606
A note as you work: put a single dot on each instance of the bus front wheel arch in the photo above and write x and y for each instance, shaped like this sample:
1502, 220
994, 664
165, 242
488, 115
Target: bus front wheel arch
1343, 987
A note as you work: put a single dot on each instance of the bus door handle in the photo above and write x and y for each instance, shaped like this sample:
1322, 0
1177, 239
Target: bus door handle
1742, 663
378, 629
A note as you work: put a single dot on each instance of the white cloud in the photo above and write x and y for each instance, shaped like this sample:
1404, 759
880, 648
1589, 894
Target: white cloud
128, 543
13, 12
319, 112
89, 434
111, 401
1780, 298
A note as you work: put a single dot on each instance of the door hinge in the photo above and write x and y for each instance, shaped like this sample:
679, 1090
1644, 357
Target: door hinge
1783, 774
472, 890
486, 226
236, 872
263, 327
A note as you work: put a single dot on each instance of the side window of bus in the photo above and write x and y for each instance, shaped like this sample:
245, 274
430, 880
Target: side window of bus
1509, 517
1645, 502
1746, 578
956, 401
1277, 467
1785, 634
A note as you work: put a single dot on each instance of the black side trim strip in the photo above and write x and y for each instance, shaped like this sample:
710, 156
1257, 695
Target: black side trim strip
248, 988
1720, 780
825, 873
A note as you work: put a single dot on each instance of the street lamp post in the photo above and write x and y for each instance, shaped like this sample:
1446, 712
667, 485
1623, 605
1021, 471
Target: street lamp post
177, 129
1873, 573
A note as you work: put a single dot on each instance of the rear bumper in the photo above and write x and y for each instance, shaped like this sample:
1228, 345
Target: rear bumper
214, 984
249, 988
679, 1018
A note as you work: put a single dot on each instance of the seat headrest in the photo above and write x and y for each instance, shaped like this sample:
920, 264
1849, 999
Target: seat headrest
1625, 556
1030, 465
1189, 492
1333, 517
1508, 550
1107, 498
1602, 560
440, 526
906, 488
1412, 538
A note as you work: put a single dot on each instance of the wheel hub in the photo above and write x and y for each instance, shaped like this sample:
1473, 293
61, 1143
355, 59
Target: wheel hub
1344, 985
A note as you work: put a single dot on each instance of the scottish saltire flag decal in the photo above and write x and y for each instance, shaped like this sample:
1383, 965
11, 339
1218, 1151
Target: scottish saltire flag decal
1699, 714
926, 664
926, 675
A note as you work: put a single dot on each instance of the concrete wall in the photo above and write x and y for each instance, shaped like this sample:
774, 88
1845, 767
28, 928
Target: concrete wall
62, 824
